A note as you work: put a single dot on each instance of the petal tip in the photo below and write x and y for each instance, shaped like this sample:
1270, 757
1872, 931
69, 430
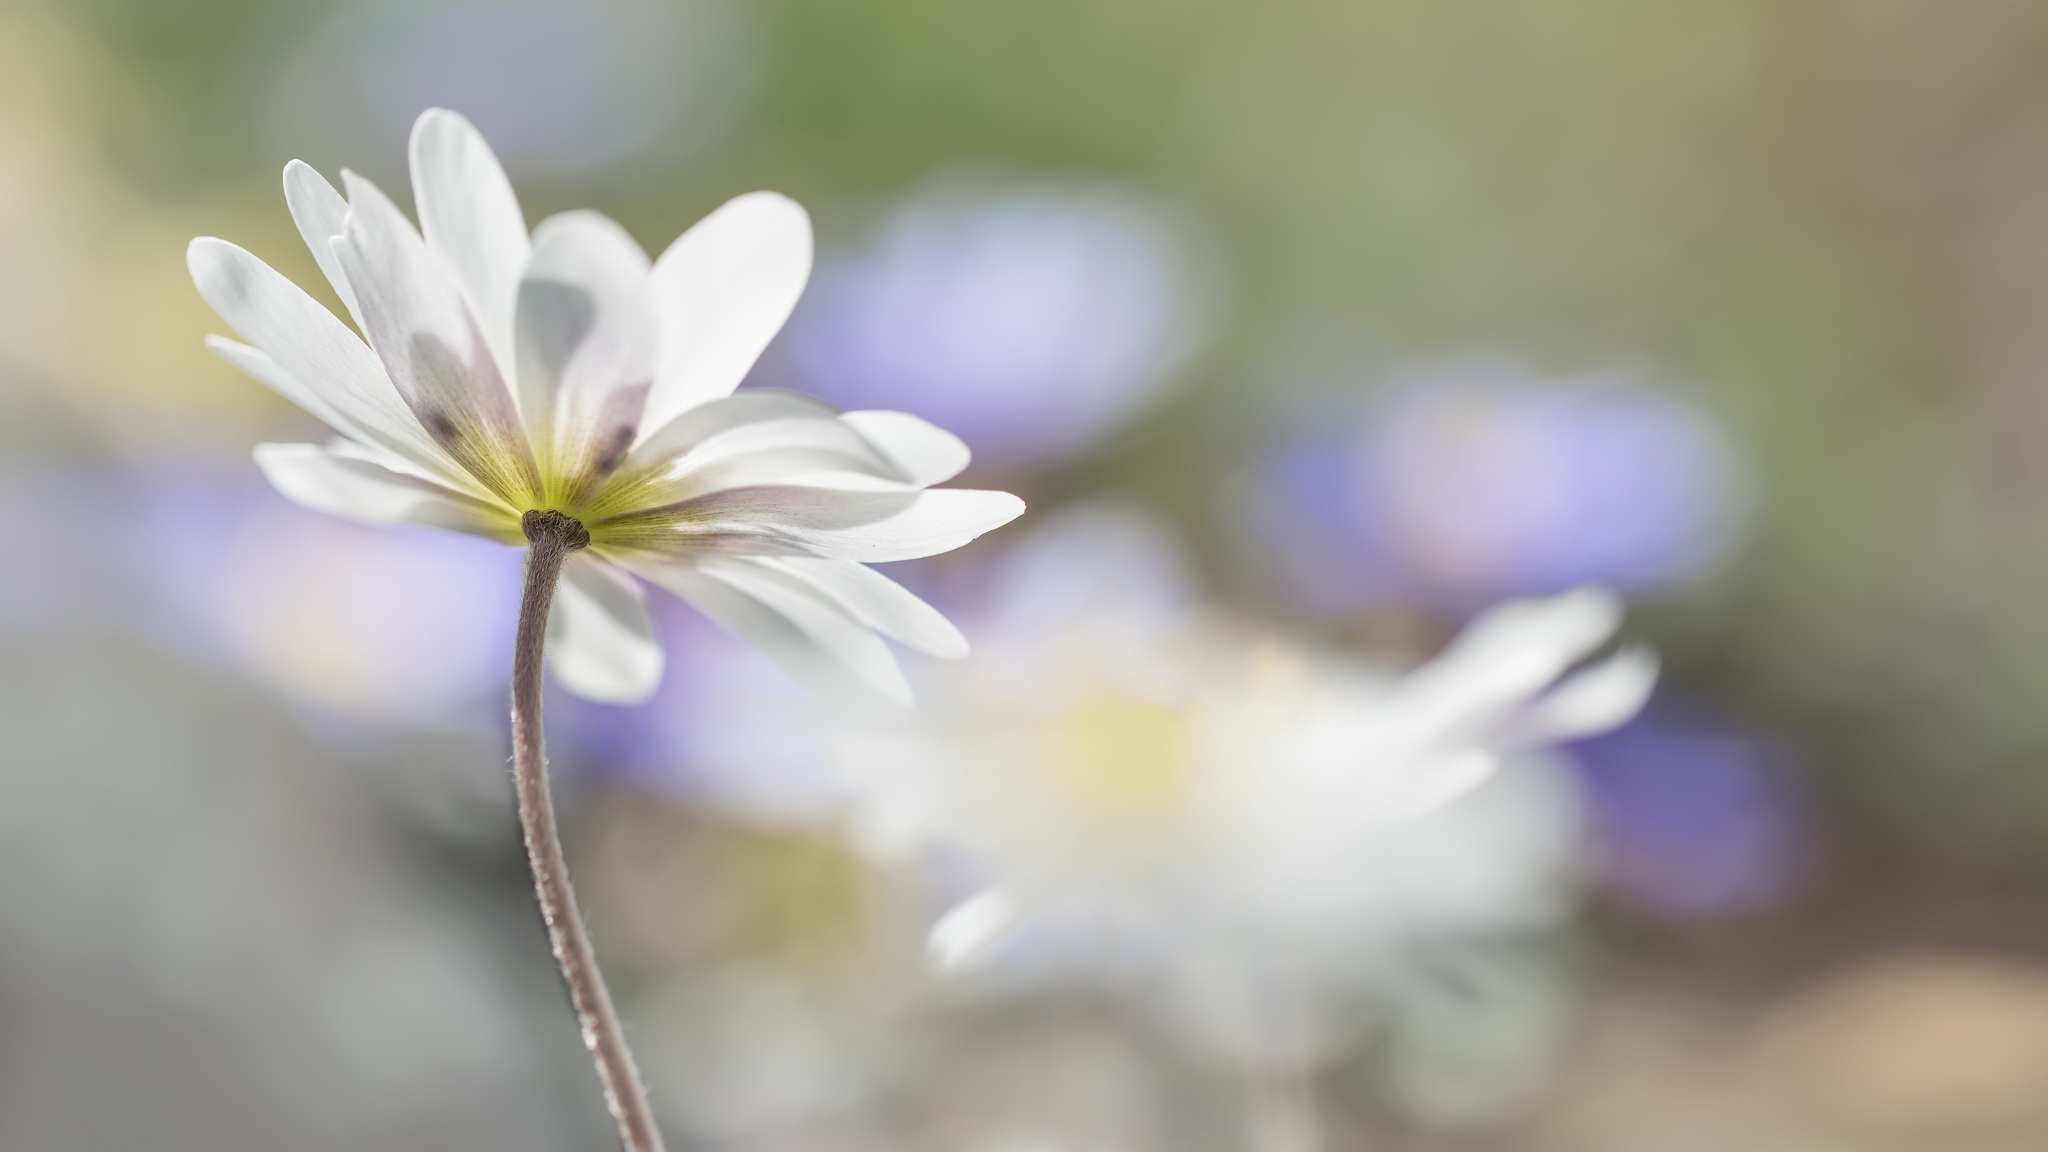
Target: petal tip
768, 198
440, 118
1010, 508
619, 694
966, 934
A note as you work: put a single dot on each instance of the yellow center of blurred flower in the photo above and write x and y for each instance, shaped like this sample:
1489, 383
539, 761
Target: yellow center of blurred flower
1118, 766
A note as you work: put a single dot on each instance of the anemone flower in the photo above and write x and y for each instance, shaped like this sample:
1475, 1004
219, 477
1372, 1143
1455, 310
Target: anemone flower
1178, 770
560, 390
1271, 833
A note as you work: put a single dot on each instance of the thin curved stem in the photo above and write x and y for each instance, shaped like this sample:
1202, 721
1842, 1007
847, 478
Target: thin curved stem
552, 536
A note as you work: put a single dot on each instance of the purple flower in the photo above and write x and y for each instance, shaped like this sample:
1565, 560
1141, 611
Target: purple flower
722, 731
569, 88
1475, 481
1030, 322
1692, 818
404, 626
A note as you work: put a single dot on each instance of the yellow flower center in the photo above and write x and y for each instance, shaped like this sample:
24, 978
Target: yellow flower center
1116, 766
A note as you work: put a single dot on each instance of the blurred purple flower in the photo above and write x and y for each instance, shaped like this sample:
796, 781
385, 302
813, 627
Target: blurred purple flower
1476, 481
717, 733
569, 88
1693, 819
385, 626
1030, 322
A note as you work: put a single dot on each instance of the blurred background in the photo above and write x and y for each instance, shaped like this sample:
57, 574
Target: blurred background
1354, 316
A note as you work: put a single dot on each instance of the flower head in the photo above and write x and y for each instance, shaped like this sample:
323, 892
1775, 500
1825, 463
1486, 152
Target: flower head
499, 374
1115, 749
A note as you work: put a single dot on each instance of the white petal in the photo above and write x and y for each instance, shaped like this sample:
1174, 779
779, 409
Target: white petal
430, 346
816, 641
722, 291
471, 219
971, 929
925, 453
876, 601
1592, 700
1441, 783
259, 364
1552, 631
601, 643
586, 342
768, 452
754, 405
344, 484
1510, 654
320, 213
318, 363
868, 527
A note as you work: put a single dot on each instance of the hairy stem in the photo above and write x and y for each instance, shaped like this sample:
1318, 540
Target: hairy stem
552, 536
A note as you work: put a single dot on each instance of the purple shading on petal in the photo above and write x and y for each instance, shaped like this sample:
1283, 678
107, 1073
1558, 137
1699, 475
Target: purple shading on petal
1032, 323
1691, 819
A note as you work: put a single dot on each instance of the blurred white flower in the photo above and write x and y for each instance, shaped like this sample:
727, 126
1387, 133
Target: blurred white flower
508, 374
1241, 809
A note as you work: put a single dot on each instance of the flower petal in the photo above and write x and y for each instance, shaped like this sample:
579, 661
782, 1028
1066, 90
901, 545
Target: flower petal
259, 364
816, 641
925, 453
802, 520
1509, 655
586, 342
601, 643
1591, 700
1441, 782
722, 290
968, 932
758, 452
320, 212
333, 480
470, 219
682, 434
306, 354
876, 601
431, 347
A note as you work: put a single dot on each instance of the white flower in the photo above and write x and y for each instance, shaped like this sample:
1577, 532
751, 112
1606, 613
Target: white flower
505, 373
1154, 769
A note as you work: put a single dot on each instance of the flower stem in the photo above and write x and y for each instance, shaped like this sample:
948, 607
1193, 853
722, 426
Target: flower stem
552, 536
1284, 1111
